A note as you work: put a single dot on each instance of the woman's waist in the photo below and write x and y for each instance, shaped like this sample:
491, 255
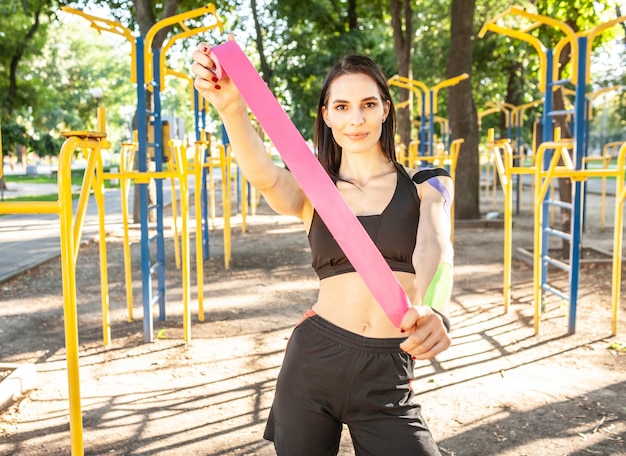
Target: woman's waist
346, 302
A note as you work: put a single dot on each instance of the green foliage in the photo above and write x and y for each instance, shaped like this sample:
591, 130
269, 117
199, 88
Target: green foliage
618, 346
46, 145
301, 41
13, 135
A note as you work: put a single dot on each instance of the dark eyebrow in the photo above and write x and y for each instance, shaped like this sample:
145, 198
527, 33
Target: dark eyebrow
364, 99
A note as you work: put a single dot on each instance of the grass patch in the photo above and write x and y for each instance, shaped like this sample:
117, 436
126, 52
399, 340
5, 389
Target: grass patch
24, 199
77, 178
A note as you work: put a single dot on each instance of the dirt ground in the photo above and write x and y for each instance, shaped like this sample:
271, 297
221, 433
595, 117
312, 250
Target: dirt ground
499, 390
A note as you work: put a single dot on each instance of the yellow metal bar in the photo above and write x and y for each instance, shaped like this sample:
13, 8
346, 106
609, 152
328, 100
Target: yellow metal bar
29, 207
127, 157
74, 140
569, 33
244, 204
181, 155
143, 177
538, 45
503, 159
187, 33
198, 169
169, 21
519, 111
212, 163
455, 149
397, 81
620, 195
106, 25
83, 199
70, 315
98, 189
591, 36
445, 83
175, 167
487, 112
226, 203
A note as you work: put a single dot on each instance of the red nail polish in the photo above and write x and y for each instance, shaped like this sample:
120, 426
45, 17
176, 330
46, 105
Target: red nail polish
214, 79
402, 330
413, 356
218, 87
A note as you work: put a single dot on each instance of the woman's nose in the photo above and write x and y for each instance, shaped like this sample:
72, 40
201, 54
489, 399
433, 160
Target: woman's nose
357, 117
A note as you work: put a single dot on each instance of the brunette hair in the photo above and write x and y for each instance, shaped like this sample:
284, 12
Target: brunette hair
328, 151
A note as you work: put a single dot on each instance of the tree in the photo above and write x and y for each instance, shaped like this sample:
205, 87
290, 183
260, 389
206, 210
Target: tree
21, 39
463, 117
23, 35
403, 37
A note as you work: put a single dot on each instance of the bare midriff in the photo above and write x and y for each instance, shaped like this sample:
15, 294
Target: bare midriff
345, 301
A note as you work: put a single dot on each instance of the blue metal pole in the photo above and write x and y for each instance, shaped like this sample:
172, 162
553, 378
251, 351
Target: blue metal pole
579, 147
422, 134
196, 113
431, 125
142, 157
158, 157
546, 136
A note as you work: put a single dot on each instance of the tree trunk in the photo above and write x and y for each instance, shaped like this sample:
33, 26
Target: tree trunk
565, 184
15, 60
402, 13
463, 116
514, 95
265, 67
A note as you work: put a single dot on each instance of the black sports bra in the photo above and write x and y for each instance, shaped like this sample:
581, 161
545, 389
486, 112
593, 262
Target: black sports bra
393, 232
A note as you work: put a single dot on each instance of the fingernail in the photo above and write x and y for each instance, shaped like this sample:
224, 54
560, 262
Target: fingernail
218, 87
402, 330
413, 356
214, 79
203, 48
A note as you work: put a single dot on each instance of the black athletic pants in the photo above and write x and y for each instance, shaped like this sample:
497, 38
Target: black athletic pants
331, 376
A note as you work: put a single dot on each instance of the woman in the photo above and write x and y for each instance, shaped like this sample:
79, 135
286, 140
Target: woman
345, 361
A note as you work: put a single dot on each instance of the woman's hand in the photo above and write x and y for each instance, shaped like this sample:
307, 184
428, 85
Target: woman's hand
221, 94
427, 334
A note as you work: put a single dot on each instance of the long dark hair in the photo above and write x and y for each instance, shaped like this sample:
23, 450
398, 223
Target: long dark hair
328, 151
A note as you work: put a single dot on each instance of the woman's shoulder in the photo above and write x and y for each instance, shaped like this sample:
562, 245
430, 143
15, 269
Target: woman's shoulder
419, 176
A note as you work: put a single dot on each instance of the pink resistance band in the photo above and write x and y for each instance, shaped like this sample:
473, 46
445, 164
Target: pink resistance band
314, 181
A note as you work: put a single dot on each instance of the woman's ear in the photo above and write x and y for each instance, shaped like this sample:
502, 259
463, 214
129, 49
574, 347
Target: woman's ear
325, 116
386, 109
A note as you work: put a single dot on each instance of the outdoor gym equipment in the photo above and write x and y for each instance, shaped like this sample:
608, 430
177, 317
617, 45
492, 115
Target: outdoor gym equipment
71, 225
514, 122
148, 73
545, 168
609, 154
427, 106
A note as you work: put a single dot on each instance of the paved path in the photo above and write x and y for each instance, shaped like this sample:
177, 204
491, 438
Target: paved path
27, 240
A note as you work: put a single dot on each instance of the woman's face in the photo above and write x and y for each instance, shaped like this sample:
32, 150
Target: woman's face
355, 112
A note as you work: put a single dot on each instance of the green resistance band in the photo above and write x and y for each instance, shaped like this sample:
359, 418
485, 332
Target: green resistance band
438, 291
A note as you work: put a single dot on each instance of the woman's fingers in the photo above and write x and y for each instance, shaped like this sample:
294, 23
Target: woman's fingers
427, 335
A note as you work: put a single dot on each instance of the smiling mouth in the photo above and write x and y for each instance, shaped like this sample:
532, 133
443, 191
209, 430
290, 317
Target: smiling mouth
356, 135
